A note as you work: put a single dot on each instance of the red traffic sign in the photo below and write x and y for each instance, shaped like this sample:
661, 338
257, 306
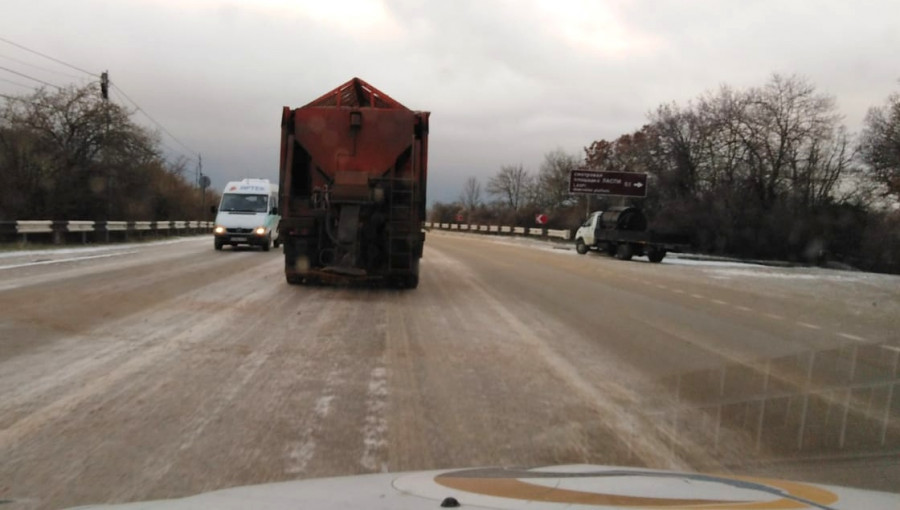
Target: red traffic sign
460, 218
626, 184
540, 219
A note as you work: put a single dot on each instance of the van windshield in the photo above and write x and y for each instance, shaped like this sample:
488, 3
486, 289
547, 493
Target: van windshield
234, 202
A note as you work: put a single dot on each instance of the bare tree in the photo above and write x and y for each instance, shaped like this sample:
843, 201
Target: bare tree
880, 145
510, 184
471, 194
70, 154
551, 189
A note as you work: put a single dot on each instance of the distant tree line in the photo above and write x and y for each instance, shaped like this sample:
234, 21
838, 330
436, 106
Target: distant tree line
767, 172
70, 155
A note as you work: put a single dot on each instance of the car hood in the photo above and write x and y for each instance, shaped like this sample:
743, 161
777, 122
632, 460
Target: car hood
542, 488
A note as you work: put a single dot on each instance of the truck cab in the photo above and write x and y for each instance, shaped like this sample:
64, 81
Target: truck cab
586, 231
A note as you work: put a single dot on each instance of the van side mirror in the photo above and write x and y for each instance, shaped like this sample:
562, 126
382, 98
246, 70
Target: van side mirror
274, 209
212, 209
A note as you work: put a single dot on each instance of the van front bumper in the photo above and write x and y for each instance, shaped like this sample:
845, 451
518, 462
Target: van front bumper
242, 236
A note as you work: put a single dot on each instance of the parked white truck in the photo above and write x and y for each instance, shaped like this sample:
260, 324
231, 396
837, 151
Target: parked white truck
248, 214
622, 232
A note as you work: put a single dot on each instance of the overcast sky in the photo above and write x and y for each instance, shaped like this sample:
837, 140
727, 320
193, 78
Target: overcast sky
506, 81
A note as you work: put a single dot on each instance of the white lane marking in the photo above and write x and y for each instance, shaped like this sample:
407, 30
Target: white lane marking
743, 308
678, 291
661, 287
891, 348
375, 425
807, 325
70, 259
774, 316
855, 338
698, 296
720, 302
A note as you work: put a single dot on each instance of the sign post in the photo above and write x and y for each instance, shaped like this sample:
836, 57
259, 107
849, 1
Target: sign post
623, 184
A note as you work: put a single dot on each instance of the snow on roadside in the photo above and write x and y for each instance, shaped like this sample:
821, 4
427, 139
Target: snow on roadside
568, 248
94, 249
718, 268
673, 258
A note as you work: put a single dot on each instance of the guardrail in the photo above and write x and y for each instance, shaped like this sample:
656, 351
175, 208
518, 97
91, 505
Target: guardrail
503, 230
61, 231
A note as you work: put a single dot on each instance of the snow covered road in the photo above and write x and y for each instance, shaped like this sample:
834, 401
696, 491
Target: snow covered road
165, 369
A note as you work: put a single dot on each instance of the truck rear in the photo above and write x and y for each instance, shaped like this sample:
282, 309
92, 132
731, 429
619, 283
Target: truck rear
353, 173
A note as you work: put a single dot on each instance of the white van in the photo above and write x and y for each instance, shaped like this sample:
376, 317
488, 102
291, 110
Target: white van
248, 214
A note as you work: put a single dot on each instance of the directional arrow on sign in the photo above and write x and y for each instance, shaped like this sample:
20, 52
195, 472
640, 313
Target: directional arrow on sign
638, 185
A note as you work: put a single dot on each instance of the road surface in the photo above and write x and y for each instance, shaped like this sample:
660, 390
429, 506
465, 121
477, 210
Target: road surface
166, 369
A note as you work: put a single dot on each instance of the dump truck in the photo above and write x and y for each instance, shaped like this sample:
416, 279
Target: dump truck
352, 180
622, 232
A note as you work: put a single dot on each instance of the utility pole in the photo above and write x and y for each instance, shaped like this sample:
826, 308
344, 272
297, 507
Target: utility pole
104, 93
200, 182
104, 85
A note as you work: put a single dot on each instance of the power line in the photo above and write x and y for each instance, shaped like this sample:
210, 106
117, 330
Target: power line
17, 45
160, 126
173, 153
14, 98
24, 63
30, 77
17, 83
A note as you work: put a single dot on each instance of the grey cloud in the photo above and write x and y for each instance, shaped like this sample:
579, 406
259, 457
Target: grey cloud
503, 85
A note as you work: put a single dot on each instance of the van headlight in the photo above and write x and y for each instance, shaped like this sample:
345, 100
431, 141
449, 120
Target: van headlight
219, 229
260, 231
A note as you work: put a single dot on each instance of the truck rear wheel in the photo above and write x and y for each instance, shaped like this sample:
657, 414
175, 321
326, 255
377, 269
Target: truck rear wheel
656, 255
624, 252
580, 247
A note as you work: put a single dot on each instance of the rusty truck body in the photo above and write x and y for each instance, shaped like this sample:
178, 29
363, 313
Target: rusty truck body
353, 173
